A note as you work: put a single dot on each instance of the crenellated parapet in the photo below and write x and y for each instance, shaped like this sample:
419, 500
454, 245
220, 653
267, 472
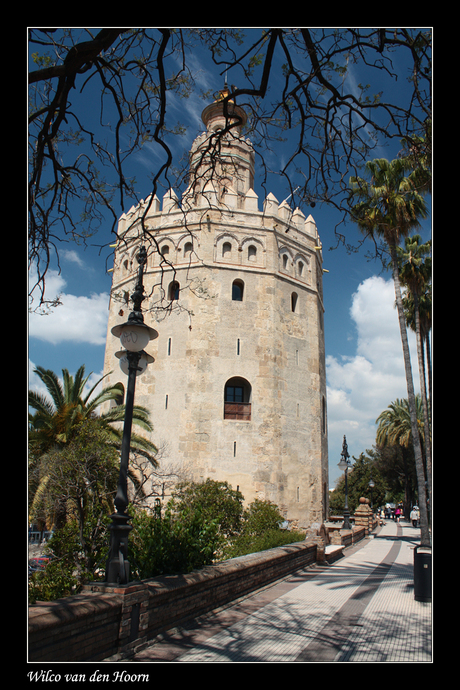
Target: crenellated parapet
199, 208
229, 231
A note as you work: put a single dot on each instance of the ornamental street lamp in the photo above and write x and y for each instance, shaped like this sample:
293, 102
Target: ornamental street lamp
371, 486
345, 464
134, 336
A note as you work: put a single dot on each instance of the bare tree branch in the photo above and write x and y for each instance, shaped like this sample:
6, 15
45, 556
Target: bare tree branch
290, 82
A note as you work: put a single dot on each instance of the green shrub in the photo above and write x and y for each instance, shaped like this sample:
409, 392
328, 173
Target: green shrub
78, 556
245, 544
171, 544
56, 580
260, 531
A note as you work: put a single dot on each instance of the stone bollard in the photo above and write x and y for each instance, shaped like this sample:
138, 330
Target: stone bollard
318, 534
363, 515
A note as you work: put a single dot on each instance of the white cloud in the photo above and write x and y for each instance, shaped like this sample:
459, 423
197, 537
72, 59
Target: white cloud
362, 386
78, 319
72, 256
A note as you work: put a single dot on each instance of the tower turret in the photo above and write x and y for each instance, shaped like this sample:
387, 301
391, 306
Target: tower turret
222, 164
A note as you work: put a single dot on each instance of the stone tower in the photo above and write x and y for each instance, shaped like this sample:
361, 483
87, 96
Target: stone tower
237, 391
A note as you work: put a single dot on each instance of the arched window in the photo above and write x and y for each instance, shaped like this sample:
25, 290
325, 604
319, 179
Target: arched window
226, 249
119, 400
237, 399
294, 301
188, 250
252, 253
173, 291
237, 290
164, 251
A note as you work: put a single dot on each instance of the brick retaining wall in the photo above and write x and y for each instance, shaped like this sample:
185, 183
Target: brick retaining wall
104, 621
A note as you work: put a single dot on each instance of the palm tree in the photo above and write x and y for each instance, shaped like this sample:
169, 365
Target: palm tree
394, 423
388, 205
425, 311
55, 419
394, 429
415, 273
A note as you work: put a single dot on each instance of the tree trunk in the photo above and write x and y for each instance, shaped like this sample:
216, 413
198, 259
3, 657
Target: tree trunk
428, 363
419, 465
426, 421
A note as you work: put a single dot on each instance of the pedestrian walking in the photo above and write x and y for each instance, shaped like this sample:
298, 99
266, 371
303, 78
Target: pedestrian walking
397, 513
414, 516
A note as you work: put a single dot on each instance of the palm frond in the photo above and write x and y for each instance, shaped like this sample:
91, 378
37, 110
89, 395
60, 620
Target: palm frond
88, 395
52, 383
40, 403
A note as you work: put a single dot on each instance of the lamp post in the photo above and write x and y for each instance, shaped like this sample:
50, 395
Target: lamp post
371, 486
345, 464
134, 336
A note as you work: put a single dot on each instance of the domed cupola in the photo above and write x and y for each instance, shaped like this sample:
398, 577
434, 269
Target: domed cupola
222, 113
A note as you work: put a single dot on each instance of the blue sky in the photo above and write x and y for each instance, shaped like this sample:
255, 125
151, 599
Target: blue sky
365, 369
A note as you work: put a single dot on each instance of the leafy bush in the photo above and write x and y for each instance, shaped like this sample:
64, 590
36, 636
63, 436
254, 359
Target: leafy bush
260, 531
79, 553
202, 523
215, 501
56, 580
270, 539
167, 545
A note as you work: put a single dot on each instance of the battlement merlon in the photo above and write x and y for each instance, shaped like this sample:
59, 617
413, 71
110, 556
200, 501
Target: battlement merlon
197, 208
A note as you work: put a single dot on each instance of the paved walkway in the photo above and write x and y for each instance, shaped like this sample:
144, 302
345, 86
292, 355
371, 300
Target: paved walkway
359, 609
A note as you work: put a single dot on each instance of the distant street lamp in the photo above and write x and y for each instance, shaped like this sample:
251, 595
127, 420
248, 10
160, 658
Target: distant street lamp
345, 465
134, 336
371, 486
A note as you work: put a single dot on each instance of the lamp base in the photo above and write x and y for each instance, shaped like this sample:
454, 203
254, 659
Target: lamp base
117, 567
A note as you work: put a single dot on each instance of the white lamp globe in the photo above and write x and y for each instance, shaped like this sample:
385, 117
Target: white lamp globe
134, 336
144, 360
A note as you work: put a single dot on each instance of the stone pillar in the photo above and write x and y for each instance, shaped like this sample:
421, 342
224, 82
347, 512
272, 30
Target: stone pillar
363, 515
318, 534
134, 614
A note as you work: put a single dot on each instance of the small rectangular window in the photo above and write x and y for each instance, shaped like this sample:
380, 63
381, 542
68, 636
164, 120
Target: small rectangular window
166, 402
169, 347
